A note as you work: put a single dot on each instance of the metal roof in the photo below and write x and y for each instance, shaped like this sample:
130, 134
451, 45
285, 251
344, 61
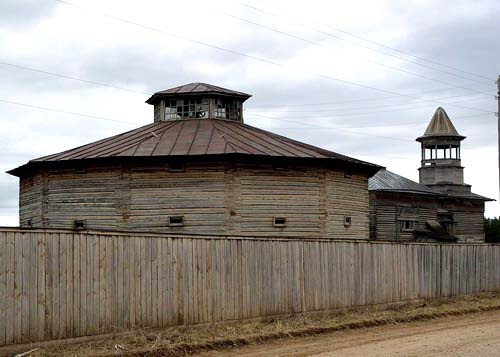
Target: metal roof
385, 180
196, 88
196, 137
441, 125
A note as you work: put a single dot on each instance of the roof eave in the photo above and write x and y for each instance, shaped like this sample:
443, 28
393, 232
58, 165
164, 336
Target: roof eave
440, 136
158, 96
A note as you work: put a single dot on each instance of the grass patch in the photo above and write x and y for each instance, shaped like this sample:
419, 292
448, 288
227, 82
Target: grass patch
197, 338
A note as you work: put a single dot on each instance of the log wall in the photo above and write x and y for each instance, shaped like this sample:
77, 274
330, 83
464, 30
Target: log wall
226, 198
59, 284
387, 209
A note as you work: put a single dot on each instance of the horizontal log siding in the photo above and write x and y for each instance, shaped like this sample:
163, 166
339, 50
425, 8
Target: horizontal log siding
469, 226
213, 197
198, 194
292, 194
347, 197
386, 214
30, 200
57, 285
89, 195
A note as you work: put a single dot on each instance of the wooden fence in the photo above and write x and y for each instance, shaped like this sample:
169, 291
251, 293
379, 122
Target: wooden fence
57, 284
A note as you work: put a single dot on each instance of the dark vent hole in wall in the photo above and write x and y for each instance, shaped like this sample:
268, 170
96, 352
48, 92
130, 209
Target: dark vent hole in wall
80, 224
280, 167
176, 167
176, 221
347, 173
279, 221
347, 221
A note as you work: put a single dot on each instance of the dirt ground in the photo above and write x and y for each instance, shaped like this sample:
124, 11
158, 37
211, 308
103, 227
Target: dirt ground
468, 335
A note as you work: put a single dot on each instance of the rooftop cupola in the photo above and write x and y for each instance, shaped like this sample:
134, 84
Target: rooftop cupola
440, 146
198, 101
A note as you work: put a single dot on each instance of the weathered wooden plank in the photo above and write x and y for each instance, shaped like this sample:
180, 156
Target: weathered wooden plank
10, 302
102, 283
41, 298
77, 284
26, 258
119, 267
3, 287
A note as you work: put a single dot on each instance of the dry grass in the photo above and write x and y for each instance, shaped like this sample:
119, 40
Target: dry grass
191, 339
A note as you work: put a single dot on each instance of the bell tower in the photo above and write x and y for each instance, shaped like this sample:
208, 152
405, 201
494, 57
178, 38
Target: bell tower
441, 167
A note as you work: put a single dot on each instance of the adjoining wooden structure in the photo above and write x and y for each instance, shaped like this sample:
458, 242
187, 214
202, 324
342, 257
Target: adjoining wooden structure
57, 284
441, 207
198, 169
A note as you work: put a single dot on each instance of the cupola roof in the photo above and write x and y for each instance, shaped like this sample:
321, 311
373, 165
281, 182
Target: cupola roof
197, 88
441, 125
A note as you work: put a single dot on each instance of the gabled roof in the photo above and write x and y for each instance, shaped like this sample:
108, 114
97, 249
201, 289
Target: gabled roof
196, 88
196, 137
385, 180
441, 125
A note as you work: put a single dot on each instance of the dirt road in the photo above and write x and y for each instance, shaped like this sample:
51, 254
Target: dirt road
469, 335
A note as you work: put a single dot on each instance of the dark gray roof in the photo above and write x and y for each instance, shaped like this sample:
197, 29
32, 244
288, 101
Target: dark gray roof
385, 180
196, 88
469, 195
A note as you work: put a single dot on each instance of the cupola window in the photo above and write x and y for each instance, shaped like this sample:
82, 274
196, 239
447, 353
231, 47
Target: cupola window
227, 109
192, 108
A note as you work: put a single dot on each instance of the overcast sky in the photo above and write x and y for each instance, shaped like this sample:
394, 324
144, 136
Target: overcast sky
361, 78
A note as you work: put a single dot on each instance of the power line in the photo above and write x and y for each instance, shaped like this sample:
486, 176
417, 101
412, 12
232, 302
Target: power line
365, 113
66, 112
377, 44
251, 106
280, 119
131, 90
170, 34
366, 59
372, 107
382, 124
69, 77
348, 101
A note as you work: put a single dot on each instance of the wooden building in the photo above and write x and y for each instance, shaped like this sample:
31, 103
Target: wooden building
198, 169
441, 207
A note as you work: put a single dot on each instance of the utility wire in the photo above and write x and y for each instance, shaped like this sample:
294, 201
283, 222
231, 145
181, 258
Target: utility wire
366, 59
372, 107
255, 8
324, 76
69, 77
280, 119
351, 100
248, 106
66, 112
386, 125
365, 113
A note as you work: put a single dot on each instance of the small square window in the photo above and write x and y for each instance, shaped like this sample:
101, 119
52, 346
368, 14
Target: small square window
176, 166
279, 221
176, 221
347, 173
80, 224
347, 221
407, 226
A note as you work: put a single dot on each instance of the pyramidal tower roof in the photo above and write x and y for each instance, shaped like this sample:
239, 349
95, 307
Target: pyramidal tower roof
441, 125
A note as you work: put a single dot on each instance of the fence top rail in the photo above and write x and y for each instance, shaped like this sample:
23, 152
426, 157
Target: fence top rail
112, 233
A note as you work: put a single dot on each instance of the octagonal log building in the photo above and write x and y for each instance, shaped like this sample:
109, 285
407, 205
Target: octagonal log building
198, 169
